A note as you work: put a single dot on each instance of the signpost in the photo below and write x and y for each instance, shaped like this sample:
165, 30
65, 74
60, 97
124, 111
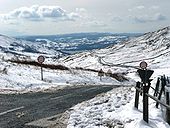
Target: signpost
100, 74
145, 75
144, 86
109, 73
143, 65
41, 59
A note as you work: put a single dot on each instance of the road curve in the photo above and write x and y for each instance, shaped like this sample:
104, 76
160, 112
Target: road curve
18, 109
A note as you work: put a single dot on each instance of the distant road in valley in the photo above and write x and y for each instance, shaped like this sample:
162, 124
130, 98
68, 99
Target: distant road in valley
16, 110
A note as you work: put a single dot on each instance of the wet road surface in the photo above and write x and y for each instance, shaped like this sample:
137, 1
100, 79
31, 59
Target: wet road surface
18, 109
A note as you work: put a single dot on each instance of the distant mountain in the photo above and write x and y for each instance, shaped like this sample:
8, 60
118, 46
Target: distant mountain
25, 76
17, 47
153, 47
121, 55
71, 43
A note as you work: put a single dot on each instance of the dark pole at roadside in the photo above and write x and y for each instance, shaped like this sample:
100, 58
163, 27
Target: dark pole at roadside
41, 59
41, 72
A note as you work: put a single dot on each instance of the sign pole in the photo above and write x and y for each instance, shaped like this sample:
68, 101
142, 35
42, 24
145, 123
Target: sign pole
137, 95
41, 59
145, 75
41, 73
145, 103
145, 97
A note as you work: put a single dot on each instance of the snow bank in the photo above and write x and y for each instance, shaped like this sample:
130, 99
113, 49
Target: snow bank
115, 109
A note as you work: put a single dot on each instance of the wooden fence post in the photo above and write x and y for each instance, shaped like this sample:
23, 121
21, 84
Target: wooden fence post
162, 89
167, 79
165, 83
137, 95
167, 101
167, 110
157, 87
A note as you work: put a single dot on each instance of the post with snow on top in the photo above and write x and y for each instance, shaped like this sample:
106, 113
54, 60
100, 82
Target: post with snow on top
100, 74
145, 75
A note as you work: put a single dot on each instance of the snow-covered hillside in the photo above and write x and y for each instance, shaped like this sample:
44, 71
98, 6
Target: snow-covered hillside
153, 47
121, 58
12, 47
78, 42
20, 77
115, 109
124, 58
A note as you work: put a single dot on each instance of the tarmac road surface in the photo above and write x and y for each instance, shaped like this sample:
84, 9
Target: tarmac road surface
16, 110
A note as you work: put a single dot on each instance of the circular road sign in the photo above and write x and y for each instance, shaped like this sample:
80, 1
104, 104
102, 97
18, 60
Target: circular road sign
41, 59
143, 65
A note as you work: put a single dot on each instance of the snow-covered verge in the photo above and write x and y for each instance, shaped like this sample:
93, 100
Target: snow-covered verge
115, 109
23, 78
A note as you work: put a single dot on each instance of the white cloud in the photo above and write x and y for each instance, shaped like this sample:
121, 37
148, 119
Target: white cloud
154, 7
117, 19
137, 8
159, 17
94, 23
140, 7
83, 13
149, 18
39, 13
81, 10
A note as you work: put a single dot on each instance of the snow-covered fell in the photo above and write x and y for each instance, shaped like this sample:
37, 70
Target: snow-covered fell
19, 77
122, 58
116, 108
78, 42
153, 47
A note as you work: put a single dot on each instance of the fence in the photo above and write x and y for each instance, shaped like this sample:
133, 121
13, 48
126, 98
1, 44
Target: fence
162, 88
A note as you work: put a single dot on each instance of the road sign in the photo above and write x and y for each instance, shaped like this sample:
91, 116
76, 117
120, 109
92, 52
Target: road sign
41, 59
145, 75
143, 65
109, 73
101, 73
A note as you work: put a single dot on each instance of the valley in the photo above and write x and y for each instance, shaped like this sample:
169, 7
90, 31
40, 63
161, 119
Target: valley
20, 75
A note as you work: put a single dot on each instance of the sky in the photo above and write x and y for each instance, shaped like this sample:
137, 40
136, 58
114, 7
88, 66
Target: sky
50, 17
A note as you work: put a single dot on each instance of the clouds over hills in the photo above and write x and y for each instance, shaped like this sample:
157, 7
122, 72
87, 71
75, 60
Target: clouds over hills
142, 14
40, 13
147, 14
146, 18
46, 17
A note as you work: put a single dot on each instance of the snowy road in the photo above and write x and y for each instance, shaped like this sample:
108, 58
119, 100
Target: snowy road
18, 109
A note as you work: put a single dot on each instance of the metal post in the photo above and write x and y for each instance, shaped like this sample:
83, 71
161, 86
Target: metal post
157, 87
162, 89
145, 98
167, 110
167, 80
145, 103
164, 79
137, 95
41, 73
